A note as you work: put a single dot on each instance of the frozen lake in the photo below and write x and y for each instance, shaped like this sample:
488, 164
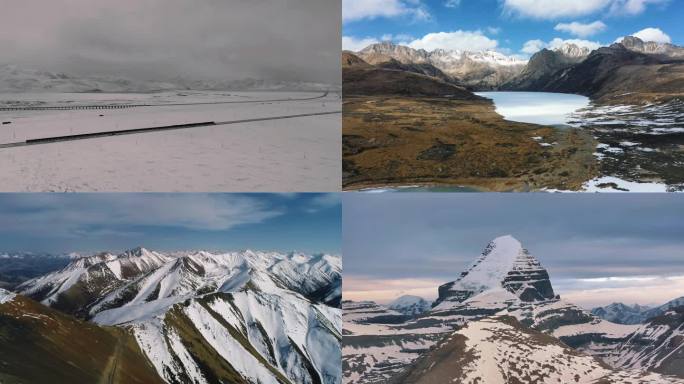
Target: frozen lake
276, 154
537, 107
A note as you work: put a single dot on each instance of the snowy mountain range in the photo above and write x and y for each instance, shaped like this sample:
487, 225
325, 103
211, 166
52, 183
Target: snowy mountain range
243, 317
15, 79
634, 314
506, 280
481, 69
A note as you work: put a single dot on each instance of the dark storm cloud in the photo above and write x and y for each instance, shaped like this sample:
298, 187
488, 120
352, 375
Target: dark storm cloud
293, 40
435, 236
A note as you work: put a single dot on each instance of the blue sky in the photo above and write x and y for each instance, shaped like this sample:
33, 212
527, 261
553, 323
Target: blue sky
507, 25
57, 223
597, 248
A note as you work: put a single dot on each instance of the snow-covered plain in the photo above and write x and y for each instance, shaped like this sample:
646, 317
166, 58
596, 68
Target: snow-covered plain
290, 154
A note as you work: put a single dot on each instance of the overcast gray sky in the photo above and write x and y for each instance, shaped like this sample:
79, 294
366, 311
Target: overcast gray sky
597, 248
162, 39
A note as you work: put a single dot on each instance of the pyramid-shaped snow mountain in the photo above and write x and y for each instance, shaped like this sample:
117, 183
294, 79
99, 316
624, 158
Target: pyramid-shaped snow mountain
504, 264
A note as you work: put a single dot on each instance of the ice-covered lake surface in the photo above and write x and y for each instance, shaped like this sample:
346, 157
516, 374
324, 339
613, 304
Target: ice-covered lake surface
292, 154
536, 107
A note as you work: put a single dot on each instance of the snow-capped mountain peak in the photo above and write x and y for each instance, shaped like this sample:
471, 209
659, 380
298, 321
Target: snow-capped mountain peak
410, 305
504, 264
573, 50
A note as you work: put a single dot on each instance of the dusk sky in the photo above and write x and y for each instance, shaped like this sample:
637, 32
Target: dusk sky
597, 248
163, 39
59, 223
518, 27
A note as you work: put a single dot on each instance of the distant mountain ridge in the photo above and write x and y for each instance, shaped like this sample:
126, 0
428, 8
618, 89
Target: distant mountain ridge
481, 70
635, 314
15, 79
630, 67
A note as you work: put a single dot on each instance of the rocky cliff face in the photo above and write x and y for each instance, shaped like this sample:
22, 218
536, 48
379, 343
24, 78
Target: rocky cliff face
627, 68
544, 64
651, 47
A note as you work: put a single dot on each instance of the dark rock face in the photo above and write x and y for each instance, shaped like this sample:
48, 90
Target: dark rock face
529, 280
540, 70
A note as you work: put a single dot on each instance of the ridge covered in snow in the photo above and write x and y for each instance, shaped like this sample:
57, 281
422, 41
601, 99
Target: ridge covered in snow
272, 317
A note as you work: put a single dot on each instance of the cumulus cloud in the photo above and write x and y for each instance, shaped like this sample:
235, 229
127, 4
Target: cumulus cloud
355, 10
456, 40
493, 30
632, 7
581, 29
554, 9
354, 44
557, 43
653, 34
533, 46
452, 3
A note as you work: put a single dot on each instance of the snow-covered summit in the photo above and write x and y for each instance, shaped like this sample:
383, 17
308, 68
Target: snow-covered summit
574, 51
410, 305
504, 264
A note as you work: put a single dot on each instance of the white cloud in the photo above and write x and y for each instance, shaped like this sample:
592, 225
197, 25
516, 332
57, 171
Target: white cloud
452, 3
401, 37
533, 46
581, 29
557, 43
461, 40
632, 7
653, 34
493, 30
354, 10
555, 9
63, 216
350, 43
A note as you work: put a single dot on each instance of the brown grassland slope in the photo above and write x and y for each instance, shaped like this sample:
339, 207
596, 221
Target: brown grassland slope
401, 128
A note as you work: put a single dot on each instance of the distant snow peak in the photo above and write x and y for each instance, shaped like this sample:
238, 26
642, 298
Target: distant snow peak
573, 50
410, 305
